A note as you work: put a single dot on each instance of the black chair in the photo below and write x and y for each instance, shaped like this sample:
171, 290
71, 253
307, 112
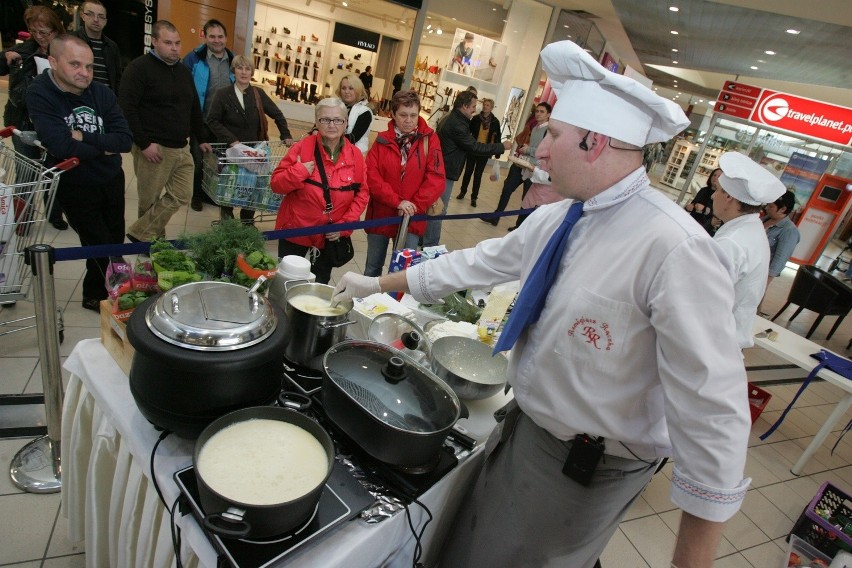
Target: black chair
818, 291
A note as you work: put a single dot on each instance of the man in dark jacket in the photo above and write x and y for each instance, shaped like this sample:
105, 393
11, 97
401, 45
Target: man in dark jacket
485, 127
210, 65
457, 142
75, 117
161, 105
107, 55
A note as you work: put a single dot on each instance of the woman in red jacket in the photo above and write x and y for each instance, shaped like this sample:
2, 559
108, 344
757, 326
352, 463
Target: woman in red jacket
299, 179
405, 169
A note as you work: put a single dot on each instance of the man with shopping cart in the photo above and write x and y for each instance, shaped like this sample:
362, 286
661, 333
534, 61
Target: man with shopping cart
76, 118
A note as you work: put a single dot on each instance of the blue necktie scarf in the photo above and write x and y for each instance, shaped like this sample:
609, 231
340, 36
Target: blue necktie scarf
531, 299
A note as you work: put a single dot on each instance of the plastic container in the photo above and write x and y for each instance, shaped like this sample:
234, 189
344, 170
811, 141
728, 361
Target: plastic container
818, 531
290, 268
800, 553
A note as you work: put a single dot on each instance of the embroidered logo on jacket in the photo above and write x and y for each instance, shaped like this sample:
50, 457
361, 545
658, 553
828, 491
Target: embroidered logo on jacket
592, 332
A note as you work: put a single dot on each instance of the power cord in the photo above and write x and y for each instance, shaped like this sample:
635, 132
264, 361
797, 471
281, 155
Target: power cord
162, 437
176, 531
418, 536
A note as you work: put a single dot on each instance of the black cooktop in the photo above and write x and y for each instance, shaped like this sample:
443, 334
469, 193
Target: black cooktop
342, 499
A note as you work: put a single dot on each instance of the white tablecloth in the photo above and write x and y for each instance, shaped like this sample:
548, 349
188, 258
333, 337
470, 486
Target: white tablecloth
111, 503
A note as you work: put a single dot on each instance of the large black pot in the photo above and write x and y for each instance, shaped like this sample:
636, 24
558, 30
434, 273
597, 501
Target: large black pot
396, 410
183, 389
233, 519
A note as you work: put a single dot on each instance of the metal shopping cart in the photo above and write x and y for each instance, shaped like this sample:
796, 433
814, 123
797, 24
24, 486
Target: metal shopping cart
27, 190
243, 180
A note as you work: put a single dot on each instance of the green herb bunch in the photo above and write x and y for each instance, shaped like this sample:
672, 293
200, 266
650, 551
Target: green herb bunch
215, 251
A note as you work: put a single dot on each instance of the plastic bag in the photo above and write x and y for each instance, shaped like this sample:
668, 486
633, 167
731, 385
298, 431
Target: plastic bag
255, 159
495, 171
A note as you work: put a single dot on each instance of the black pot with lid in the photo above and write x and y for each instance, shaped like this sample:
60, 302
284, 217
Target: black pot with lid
204, 349
393, 408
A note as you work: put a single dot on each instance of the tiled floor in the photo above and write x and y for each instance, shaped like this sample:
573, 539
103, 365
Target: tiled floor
34, 531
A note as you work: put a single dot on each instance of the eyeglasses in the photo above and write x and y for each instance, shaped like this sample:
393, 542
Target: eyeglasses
42, 33
95, 16
334, 121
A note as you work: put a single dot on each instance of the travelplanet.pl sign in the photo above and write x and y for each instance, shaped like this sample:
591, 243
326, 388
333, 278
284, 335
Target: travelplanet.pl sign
814, 119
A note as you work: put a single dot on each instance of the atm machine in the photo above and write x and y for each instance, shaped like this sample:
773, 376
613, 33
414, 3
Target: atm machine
820, 217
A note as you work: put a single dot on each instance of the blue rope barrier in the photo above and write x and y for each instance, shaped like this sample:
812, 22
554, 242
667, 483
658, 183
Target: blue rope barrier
101, 251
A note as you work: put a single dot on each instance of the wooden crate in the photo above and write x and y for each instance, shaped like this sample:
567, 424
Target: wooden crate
114, 337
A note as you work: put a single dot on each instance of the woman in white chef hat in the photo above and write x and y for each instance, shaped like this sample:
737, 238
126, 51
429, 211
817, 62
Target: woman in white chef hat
742, 189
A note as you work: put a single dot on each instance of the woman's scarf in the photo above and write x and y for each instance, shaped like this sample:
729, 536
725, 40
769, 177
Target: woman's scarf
486, 122
404, 142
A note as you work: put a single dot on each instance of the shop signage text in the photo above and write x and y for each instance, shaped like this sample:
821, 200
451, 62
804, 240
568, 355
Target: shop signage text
355, 37
807, 117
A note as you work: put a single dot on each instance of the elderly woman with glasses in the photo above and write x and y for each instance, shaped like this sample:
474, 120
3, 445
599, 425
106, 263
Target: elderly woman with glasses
238, 114
19, 62
405, 169
325, 160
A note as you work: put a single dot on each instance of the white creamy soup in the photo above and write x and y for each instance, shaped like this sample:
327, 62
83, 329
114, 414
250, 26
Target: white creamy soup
315, 306
262, 462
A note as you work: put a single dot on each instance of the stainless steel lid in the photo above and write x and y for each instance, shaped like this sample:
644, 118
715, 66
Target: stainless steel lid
211, 316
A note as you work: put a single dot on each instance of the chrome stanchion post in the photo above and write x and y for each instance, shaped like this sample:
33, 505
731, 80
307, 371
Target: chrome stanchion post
36, 468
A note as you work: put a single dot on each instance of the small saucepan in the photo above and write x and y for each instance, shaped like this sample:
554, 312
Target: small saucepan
469, 367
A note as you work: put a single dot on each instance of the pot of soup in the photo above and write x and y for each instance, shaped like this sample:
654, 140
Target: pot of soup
314, 323
261, 471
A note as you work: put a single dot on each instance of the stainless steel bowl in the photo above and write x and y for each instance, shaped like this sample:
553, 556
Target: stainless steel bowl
469, 367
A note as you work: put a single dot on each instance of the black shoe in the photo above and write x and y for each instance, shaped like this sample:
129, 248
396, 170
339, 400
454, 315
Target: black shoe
473, 203
133, 239
196, 204
460, 195
59, 225
92, 304
492, 222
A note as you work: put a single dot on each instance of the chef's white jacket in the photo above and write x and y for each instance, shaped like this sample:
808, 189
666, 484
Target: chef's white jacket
743, 239
636, 341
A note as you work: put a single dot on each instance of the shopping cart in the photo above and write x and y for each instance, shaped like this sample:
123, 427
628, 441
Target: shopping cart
243, 181
27, 191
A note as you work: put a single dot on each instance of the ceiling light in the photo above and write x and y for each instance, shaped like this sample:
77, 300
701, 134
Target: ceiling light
429, 27
453, 18
674, 62
701, 100
440, 31
345, 4
493, 9
793, 32
431, 31
769, 52
564, 25
679, 92
674, 9
674, 49
753, 67
761, 61
674, 32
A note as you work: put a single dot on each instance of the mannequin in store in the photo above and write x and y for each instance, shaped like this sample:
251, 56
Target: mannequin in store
353, 94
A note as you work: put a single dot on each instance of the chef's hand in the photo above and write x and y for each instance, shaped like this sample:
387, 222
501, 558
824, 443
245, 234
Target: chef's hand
354, 285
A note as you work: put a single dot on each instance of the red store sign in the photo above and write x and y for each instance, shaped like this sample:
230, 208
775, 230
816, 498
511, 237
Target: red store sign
814, 119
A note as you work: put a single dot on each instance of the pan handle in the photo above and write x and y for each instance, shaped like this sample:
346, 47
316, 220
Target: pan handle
229, 524
332, 325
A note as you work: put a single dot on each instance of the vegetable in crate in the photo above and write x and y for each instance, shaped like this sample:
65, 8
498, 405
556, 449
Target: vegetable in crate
130, 300
215, 251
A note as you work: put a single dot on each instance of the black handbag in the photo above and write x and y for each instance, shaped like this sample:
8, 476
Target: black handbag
341, 251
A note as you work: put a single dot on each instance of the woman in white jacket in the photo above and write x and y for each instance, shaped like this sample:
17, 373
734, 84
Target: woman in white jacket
353, 94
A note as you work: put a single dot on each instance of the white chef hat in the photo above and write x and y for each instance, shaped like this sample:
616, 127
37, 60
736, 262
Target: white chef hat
748, 182
592, 98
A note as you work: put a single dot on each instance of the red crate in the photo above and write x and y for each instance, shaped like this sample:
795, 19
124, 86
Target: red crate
757, 400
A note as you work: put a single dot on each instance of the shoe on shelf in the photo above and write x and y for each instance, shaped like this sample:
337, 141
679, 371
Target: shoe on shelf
473, 203
314, 38
460, 195
492, 222
92, 304
59, 224
196, 204
358, 57
286, 30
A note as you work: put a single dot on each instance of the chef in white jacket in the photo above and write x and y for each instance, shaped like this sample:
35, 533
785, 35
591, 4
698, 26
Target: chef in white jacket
742, 189
618, 362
